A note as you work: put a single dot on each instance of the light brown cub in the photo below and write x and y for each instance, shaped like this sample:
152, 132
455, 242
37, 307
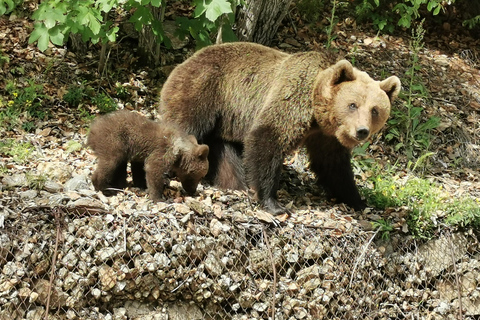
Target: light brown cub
152, 148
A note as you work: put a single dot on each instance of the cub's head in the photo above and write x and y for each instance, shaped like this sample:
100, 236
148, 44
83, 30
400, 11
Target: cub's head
351, 105
192, 163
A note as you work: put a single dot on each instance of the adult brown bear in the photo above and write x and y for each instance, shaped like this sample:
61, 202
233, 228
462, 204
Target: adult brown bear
152, 148
254, 102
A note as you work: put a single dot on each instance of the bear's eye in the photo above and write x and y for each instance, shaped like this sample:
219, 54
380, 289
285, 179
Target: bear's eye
374, 112
352, 106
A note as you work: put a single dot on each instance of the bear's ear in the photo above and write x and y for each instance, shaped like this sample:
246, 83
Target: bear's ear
202, 152
342, 71
192, 139
391, 86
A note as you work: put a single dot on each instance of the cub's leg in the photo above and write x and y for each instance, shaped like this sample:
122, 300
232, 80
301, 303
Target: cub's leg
330, 161
110, 173
154, 170
138, 174
263, 165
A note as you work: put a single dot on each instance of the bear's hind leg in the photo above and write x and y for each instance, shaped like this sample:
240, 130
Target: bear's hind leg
263, 165
330, 161
225, 163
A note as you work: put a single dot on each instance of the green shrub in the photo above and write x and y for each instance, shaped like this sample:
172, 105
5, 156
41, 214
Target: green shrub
75, 95
387, 14
22, 104
428, 206
104, 103
406, 127
18, 151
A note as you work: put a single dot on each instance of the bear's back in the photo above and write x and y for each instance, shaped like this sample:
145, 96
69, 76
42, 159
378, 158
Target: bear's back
129, 133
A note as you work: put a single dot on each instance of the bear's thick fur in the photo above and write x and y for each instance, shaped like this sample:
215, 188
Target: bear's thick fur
152, 148
247, 100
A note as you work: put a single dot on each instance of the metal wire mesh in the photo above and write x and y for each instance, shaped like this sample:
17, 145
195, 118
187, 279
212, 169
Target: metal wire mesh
84, 263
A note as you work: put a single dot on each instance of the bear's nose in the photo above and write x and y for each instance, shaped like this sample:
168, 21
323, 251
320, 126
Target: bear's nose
362, 133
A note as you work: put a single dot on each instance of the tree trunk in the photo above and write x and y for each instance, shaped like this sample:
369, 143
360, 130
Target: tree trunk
259, 20
75, 44
148, 46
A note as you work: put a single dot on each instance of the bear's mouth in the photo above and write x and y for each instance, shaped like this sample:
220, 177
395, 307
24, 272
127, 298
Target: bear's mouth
348, 140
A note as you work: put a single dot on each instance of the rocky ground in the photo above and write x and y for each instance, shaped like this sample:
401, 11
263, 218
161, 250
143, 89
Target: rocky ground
127, 248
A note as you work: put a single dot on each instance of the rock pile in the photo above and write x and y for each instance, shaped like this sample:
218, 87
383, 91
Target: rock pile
210, 257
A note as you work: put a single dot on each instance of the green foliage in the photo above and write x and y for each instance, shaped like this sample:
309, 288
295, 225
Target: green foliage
332, 22
210, 16
121, 91
369, 10
26, 101
104, 103
85, 115
20, 152
311, 10
36, 182
384, 226
76, 94
4, 59
427, 204
385, 14
473, 22
7, 6
54, 20
361, 159
73, 146
406, 126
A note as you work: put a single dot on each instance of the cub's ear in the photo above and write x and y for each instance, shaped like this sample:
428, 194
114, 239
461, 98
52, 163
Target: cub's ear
391, 86
341, 71
192, 139
202, 152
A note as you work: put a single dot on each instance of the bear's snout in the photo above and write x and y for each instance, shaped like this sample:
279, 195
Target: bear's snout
362, 133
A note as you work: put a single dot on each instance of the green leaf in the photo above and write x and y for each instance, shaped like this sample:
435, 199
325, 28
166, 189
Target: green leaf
49, 14
156, 3
227, 33
112, 34
142, 16
431, 5
216, 8
73, 146
56, 36
200, 8
40, 34
106, 5
437, 10
3, 7
90, 17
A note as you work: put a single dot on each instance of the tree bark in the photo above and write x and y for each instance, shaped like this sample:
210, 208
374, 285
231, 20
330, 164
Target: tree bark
258, 20
148, 46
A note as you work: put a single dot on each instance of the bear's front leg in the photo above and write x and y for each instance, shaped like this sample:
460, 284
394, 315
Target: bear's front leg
263, 165
154, 170
138, 174
111, 173
330, 161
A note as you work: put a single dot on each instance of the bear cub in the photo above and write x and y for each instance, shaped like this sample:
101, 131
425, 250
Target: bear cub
152, 148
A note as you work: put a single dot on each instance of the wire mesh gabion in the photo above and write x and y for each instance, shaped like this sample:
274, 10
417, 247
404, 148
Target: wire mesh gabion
85, 263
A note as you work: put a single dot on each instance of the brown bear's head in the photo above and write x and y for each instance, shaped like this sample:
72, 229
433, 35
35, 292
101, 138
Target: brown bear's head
192, 163
351, 105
